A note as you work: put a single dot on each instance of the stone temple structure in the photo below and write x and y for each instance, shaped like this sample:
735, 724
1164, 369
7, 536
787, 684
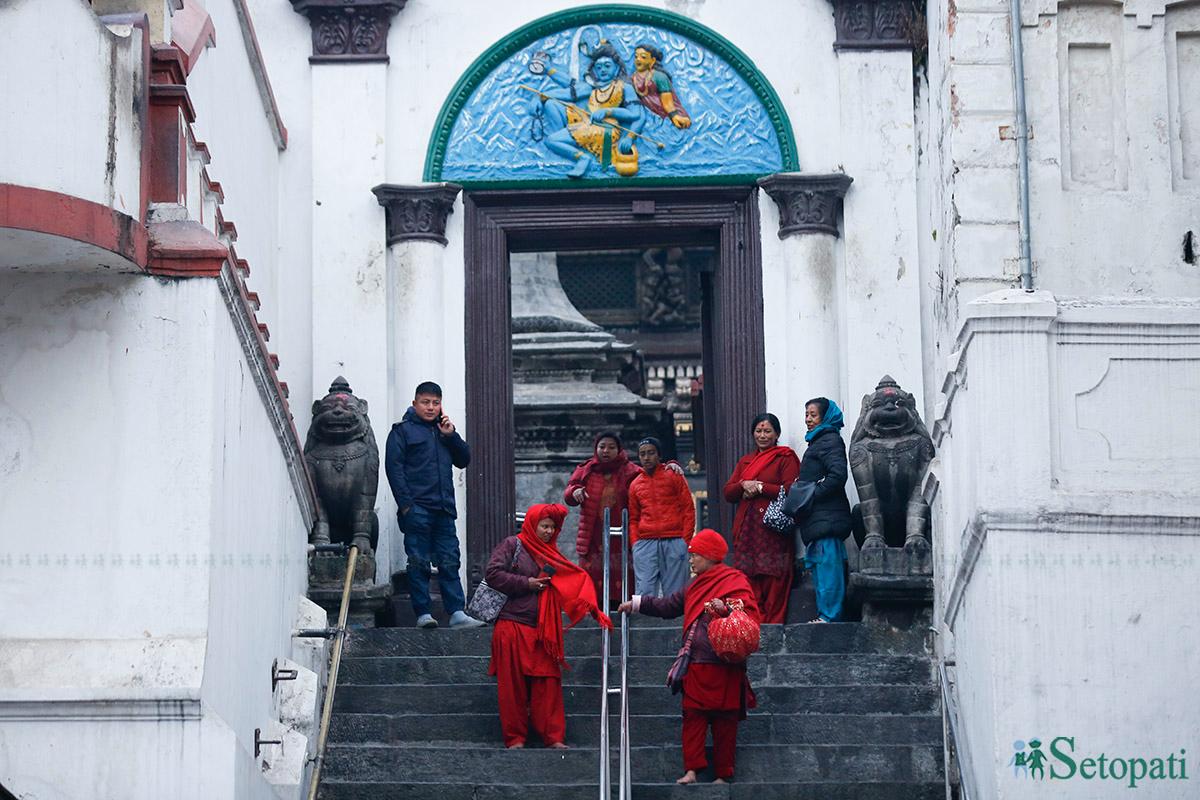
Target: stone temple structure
566, 385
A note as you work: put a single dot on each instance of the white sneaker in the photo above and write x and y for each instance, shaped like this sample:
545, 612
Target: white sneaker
459, 619
427, 622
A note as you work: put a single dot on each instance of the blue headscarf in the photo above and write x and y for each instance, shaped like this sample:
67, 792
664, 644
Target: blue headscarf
830, 420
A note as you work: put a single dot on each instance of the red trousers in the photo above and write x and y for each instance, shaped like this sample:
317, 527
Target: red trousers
716, 696
772, 593
724, 735
528, 685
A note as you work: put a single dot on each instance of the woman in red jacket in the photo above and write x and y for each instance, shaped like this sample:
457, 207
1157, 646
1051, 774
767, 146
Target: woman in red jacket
716, 693
527, 643
765, 555
598, 483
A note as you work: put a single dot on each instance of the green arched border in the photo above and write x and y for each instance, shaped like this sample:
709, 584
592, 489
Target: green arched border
523, 36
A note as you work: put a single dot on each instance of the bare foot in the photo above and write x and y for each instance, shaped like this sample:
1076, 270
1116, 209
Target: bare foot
558, 746
688, 777
720, 780
517, 746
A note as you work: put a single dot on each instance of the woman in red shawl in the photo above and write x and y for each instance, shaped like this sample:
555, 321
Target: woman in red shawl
598, 483
716, 693
527, 643
765, 555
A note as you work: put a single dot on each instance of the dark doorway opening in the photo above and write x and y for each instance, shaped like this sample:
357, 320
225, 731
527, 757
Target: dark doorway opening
717, 228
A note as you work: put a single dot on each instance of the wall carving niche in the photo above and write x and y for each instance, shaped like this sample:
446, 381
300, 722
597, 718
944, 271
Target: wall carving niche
611, 95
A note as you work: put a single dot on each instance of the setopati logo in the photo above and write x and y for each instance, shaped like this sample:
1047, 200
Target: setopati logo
1058, 760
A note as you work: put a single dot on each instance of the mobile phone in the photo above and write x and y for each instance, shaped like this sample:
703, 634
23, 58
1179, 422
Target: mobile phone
549, 569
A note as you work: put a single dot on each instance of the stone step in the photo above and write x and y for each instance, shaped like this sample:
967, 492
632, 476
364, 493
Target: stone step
646, 729
738, 790
772, 670
436, 699
645, 639
775, 763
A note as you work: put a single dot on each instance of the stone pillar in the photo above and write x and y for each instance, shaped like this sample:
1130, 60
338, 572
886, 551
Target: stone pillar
806, 361
881, 321
424, 320
349, 132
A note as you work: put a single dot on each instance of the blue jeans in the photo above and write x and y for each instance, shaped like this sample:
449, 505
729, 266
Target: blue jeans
430, 536
660, 566
826, 557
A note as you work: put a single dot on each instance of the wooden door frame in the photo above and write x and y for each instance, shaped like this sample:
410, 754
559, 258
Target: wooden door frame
503, 221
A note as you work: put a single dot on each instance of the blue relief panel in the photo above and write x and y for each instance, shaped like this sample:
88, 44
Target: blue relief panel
612, 101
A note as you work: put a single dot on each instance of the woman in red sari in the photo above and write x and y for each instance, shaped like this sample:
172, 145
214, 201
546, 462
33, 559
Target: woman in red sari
598, 483
527, 643
716, 693
764, 555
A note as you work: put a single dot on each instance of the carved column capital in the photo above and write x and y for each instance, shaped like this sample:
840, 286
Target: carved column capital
417, 213
349, 30
807, 203
877, 24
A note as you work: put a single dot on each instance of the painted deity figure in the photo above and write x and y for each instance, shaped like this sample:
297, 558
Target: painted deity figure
655, 88
597, 127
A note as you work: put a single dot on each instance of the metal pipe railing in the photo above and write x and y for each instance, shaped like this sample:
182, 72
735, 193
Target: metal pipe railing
605, 776
625, 790
339, 638
966, 774
624, 773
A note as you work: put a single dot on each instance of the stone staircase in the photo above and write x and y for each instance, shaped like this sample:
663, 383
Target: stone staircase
846, 712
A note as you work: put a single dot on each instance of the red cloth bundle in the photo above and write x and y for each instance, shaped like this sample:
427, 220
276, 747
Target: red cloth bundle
736, 636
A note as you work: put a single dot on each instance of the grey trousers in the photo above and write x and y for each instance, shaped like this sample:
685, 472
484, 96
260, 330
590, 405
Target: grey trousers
660, 566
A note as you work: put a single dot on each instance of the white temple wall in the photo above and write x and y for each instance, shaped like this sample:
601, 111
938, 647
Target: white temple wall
61, 127
150, 538
231, 120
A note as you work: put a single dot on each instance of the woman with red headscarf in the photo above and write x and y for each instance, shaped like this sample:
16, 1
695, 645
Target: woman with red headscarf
527, 643
716, 693
764, 555
601, 482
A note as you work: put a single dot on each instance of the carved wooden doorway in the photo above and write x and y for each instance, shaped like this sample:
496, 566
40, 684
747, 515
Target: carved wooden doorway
500, 222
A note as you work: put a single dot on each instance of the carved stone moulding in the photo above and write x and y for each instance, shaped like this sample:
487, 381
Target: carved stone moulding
807, 203
417, 213
349, 30
875, 24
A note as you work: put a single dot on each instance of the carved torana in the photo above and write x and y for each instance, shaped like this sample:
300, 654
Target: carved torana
807, 203
876, 25
349, 30
417, 212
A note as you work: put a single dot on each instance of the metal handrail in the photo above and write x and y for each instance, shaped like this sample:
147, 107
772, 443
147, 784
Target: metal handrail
339, 639
966, 777
624, 772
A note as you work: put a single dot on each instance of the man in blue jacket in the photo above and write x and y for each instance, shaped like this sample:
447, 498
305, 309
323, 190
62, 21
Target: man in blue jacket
421, 448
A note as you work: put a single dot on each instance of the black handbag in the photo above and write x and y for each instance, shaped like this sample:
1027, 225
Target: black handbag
799, 500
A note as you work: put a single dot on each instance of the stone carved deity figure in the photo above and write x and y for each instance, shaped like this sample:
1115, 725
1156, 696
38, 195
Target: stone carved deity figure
664, 288
343, 458
889, 454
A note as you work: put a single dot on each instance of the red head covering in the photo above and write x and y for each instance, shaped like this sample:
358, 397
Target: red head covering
571, 591
710, 544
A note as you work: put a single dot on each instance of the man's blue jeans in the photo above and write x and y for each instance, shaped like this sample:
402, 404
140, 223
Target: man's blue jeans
430, 536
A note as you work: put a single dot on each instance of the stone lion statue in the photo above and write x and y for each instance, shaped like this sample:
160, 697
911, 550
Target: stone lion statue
889, 454
343, 459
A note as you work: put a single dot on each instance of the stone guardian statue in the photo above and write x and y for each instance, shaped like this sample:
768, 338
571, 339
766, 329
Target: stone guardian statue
889, 454
343, 459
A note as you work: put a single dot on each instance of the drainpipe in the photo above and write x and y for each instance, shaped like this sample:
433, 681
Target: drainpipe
1022, 133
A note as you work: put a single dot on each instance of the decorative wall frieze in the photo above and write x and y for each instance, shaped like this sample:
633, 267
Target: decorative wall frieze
876, 24
349, 30
807, 203
417, 213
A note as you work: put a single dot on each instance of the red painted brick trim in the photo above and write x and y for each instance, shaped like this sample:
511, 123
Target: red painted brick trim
71, 217
185, 250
